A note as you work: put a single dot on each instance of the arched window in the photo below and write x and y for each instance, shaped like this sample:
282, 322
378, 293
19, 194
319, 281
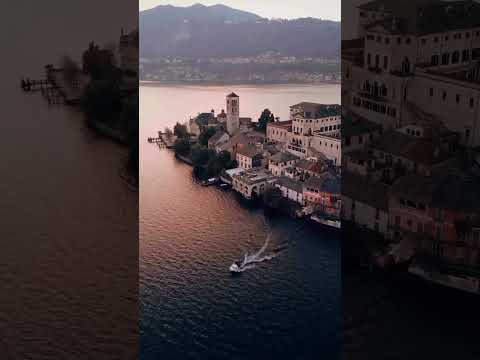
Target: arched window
434, 60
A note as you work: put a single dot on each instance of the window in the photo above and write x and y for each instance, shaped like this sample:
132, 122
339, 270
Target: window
387, 40
377, 61
465, 55
435, 39
431, 92
385, 62
399, 40
471, 102
446, 38
444, 95
467, 35
467, 134
455, 57
457, 98
369, 59
408, 41
424, 41
445, 59
435, 60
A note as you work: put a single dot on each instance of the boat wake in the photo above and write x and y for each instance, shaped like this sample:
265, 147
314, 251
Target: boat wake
249, 261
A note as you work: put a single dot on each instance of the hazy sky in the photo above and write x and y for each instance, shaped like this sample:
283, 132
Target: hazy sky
325, 9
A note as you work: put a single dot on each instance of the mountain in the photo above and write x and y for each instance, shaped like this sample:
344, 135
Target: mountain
200, 31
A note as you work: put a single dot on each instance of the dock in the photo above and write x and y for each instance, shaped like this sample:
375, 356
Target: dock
162, 140
55, 88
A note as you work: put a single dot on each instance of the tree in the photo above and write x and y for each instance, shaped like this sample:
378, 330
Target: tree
180, 130
202, 156
206, 135
181, 146
99, 63
265, 118
168, 133
214, 166
225, 157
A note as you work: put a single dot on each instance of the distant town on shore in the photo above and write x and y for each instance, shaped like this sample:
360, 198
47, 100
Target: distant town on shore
218, 44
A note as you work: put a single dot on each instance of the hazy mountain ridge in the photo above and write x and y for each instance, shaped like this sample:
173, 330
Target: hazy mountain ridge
202, 31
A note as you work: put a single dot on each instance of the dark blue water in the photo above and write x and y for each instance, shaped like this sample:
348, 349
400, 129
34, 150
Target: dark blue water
191, 307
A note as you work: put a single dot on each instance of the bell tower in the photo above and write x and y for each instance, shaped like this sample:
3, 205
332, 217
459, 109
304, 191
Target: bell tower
233, 111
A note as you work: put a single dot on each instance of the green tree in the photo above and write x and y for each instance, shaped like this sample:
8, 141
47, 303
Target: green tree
99, 63
265, 118
202, 156
180, 130
225, 158
214, 166
168, 133
206, 135
181, 146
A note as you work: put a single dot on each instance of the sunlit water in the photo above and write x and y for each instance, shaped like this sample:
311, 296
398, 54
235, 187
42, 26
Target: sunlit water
191, 307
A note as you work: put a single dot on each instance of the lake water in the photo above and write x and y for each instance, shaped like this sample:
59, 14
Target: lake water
191, 307
68, 222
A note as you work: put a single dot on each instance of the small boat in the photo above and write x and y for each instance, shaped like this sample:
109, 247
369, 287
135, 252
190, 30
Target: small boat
209, 182
234, 268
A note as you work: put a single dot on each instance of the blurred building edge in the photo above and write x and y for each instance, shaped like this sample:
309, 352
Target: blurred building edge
411, 99
128, 56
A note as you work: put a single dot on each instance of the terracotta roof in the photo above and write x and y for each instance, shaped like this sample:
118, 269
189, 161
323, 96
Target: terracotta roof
418, 150
313, 166
282, 157
285, 125
319, 110
353, 125
454, 185
250, 151
290, 183
216, 137
359, 188
415, 17
325, 183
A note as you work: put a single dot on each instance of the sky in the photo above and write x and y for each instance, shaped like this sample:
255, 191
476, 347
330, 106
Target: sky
287, 9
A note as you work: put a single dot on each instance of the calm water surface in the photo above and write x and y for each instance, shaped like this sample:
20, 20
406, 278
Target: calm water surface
68, 223
191, 307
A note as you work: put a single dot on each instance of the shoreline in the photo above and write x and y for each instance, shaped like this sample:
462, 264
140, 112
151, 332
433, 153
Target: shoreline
160, 83
260, 203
